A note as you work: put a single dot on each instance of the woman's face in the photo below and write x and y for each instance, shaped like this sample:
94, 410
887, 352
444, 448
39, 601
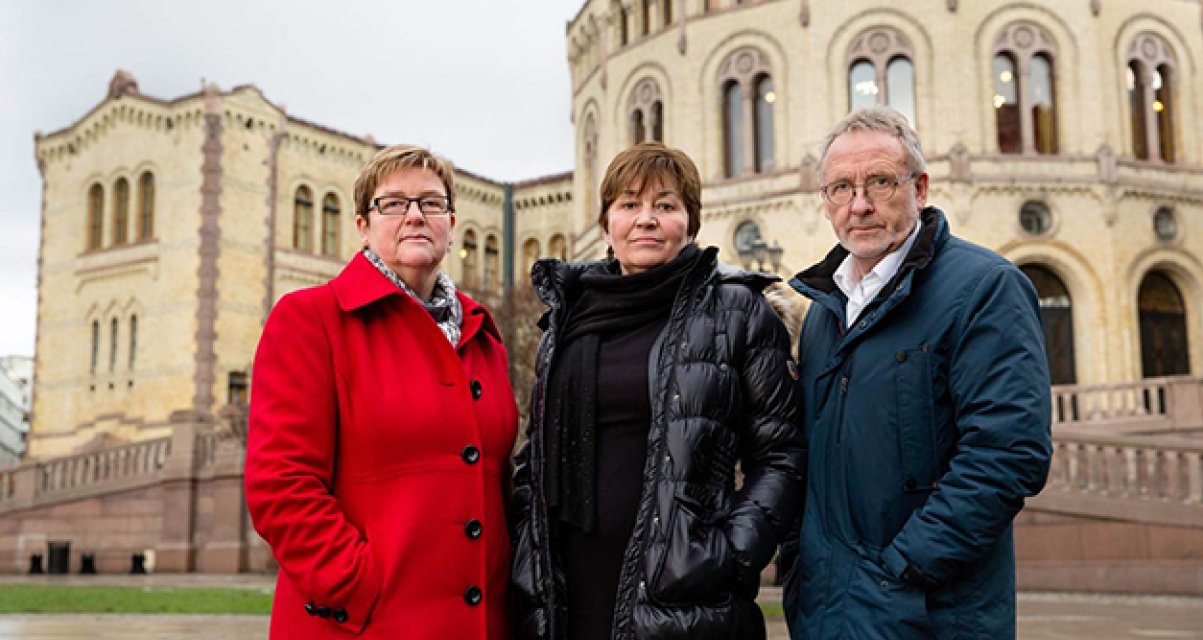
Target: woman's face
412, 244
647, 229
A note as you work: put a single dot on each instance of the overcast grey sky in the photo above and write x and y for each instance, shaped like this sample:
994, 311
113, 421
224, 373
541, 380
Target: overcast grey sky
483, 82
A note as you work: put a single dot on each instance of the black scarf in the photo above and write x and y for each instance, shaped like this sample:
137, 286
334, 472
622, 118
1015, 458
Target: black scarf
609, 302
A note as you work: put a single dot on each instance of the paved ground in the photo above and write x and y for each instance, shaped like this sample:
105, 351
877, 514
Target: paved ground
1041, 616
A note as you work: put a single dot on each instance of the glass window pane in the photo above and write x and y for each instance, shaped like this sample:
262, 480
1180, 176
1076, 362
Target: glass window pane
146, 206
1044, 111
657, 121
733, 118
95, 216
900, 87
1006, 105
121, 212
302, 236
765, 97
1136, 104
1163, 106
637, 130
862, 85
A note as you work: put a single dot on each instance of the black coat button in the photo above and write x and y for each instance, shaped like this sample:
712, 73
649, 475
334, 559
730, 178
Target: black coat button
900, 356
477, 389
470, 454
340, 615
310, 609
911, 483
473, 528
323, 611
472, 595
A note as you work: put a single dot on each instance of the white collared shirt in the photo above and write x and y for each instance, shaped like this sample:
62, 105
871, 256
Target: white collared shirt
859, 290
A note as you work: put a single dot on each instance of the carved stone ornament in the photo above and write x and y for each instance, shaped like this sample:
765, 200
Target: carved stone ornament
1105, 157
123, 82
809, 174
958, 158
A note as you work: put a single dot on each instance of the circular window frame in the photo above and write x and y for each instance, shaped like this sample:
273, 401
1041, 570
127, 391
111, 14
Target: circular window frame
1161, 213
1050, 222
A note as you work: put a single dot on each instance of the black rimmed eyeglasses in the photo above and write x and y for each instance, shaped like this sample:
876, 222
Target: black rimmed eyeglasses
399, 205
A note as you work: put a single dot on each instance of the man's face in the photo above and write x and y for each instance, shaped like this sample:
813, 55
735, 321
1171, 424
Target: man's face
870, 229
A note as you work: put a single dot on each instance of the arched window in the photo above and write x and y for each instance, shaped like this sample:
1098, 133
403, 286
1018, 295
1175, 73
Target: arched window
330, 222
880, 71
530, 253
646, 112
1164, 350
1151, 97
557, 247
589, 147
302, 222
95, 217
1056, 315
121, 211
146, 206
668, 12
95, 347
113, 345
748, 100
1025, 95
765, 97
646, 22
492, 263
468, 259
624, 29
133, 340
733, 116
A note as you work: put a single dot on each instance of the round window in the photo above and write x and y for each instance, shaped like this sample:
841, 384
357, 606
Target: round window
1165, 225
1035, 218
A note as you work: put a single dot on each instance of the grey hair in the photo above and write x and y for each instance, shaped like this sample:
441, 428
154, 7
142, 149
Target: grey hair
885, 120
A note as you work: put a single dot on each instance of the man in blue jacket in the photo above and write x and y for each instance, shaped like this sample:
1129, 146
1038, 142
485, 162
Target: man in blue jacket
926, 398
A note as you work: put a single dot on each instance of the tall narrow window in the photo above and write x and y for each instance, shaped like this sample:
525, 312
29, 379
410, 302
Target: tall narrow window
95, 216
765, 97
330, 222
95, 347
1056, 315
880, 71
236, 388
146, 206
492, 263
646, 112
646, 23
900, 87
733, 116
862, 85
1044, 114
1163, 106
302, 224
589, 149
746, 92
1152, 77
121, 211
557, 247
1025, 97
1164, 348
668, 12
706, 6
624, 29
113, 345
133, 340
1006, 104
530, 253
1136, 92
468, 259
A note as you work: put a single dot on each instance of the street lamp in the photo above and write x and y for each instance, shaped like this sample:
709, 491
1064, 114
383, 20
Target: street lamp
753, 250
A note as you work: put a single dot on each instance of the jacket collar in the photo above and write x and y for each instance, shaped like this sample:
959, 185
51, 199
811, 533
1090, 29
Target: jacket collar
361, 284
820, 278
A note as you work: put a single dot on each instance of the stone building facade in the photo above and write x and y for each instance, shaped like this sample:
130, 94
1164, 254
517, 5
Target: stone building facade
1061, 133
170, 227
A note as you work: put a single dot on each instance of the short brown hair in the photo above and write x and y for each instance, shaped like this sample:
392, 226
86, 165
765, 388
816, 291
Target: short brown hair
395, 158
648, 163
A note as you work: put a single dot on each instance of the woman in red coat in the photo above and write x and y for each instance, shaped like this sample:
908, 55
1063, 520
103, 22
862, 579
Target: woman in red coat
381, 425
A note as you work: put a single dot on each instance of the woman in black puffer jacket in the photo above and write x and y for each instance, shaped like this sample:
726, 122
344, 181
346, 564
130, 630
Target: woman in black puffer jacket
658, 371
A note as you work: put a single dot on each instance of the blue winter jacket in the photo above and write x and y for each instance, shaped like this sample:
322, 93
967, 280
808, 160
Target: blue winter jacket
928, 422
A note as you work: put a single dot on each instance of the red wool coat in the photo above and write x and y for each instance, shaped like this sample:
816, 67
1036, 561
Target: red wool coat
377, 462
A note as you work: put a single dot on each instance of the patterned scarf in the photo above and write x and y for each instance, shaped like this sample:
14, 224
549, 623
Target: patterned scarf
443, 305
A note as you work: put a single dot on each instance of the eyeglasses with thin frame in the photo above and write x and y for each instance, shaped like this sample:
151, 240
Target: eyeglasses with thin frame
428, 205
875, 188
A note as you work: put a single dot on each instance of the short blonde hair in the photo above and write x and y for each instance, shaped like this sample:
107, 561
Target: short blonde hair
395, 158
647, 163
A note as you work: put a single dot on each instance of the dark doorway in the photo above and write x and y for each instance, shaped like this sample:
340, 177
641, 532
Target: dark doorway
1056, 314
1163, 346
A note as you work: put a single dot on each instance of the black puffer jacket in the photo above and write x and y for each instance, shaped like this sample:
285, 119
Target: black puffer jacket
723, 389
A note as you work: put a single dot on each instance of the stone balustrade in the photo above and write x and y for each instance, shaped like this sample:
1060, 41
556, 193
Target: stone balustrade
1170, 403
139, 459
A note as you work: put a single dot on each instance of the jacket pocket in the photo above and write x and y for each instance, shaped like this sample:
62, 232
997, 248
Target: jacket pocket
882, 606
916, 432
698, 565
